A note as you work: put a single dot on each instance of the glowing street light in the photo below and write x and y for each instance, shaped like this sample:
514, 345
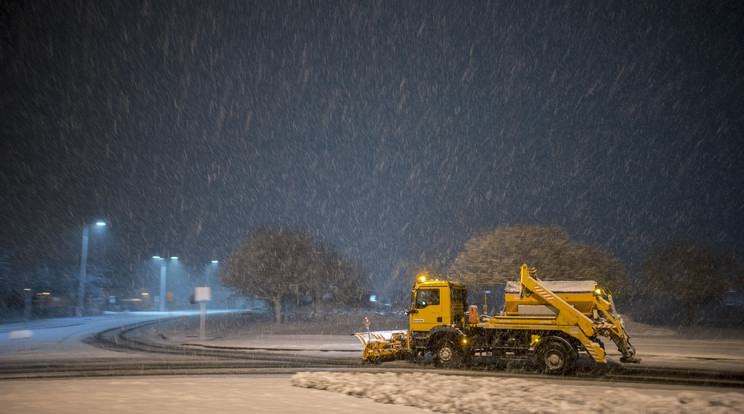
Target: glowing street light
161, 306
209, 270
203, 294
80, 306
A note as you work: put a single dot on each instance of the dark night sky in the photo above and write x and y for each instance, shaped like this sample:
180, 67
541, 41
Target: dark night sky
390, 130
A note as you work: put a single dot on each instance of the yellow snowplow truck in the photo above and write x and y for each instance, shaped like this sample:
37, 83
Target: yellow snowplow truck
553, 321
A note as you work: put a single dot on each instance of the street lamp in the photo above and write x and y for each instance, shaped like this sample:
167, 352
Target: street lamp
161, 306
80, 306
211, 269
204, 294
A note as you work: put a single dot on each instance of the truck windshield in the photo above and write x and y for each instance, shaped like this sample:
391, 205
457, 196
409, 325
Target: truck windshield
426, 297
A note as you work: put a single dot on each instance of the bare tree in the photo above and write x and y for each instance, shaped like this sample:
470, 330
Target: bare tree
495, 255
688, 272
9, 280
281, 265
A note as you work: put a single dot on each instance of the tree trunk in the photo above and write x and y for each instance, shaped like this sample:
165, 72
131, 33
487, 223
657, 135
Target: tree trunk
277, 300
690, 314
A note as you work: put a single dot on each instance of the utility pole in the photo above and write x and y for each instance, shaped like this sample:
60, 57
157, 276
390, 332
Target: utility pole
162, 285
80, 305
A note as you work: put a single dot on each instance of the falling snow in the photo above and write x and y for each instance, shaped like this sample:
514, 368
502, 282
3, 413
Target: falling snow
393, 131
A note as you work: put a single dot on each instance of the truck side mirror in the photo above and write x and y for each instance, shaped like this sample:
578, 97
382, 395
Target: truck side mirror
411, 311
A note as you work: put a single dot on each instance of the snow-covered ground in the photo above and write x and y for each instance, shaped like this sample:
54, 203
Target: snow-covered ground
310, 392
363, 392
223, 394
464, 394
662, 347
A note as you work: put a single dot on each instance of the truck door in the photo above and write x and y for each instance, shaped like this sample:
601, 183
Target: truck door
428, 308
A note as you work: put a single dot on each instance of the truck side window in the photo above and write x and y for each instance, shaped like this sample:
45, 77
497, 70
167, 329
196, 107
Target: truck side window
460, 297
426, 297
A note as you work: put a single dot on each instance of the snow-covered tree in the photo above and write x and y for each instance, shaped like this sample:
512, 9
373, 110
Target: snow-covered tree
287, 264
495, 255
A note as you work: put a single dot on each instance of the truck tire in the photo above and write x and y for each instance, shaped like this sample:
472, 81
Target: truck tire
448, 354
556, 356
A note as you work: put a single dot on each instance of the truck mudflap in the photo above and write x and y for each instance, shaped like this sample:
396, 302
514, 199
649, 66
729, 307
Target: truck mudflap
384, 345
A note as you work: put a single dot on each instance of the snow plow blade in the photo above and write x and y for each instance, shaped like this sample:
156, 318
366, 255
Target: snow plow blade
384, 346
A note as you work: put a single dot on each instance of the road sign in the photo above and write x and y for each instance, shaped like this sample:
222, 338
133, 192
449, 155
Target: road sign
202, 294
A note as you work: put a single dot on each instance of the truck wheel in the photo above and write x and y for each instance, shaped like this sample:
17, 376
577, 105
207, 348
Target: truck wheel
556, 356
448, 354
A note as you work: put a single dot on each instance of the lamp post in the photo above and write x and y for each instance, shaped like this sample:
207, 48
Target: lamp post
161, 306
204, 294
211, 269
80, 306
27, 298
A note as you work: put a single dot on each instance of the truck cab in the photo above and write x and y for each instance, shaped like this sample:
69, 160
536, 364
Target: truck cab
437, 303
436, 317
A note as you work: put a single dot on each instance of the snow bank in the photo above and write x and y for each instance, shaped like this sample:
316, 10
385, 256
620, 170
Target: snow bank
461, 394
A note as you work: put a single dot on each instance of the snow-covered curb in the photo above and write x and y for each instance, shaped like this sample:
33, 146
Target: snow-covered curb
461, 394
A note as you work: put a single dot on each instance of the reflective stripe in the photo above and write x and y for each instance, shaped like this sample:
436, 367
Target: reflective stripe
542, 292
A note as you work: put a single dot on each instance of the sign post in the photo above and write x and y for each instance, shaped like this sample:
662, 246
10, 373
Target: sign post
202, 295
367, 323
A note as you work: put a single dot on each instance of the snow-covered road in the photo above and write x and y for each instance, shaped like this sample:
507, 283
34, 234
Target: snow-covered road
309, 392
